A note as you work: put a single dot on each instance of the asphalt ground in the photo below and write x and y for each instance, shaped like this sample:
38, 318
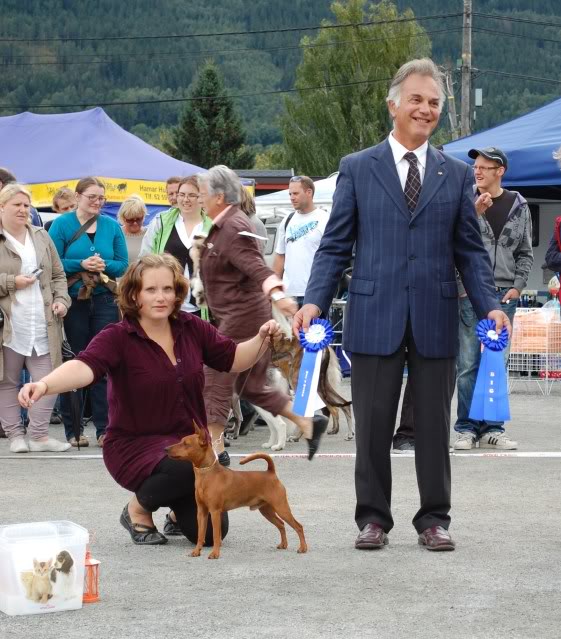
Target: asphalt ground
502, 581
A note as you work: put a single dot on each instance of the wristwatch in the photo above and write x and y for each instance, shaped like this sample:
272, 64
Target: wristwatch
277, 295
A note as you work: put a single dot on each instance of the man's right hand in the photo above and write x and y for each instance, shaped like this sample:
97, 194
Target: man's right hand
303, 318
483, 202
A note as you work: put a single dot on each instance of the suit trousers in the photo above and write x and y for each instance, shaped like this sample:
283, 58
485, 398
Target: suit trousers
376, 387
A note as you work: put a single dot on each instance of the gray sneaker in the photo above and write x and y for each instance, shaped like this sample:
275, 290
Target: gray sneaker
465, 441
497, 440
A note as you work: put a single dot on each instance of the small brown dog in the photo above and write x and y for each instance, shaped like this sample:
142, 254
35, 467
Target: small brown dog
219, 489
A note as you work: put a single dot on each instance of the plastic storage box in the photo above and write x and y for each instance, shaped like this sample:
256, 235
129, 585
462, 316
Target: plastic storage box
42, 567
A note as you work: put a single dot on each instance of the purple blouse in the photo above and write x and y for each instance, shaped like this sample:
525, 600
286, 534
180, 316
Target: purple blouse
152, 403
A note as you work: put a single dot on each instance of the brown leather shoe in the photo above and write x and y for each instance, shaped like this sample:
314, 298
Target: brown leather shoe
436, 538
371, 537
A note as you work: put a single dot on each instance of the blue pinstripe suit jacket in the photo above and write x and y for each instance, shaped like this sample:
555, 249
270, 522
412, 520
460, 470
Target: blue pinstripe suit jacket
404, 264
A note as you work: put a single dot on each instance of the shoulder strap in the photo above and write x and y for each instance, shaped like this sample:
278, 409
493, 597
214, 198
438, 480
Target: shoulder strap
287, 221
85, 226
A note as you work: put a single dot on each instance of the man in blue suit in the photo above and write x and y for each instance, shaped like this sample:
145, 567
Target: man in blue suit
409, 210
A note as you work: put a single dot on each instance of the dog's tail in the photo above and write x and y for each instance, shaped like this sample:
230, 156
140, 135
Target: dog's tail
330, 375
267, 458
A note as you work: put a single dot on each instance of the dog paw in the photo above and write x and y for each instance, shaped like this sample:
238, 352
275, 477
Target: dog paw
277, 447
195, 553
214, 555
282, 546
302, 550
349, 438
267, 445
293, 439
332, 432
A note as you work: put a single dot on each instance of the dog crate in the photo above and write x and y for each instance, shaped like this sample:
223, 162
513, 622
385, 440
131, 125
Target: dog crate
42, 567
535, 352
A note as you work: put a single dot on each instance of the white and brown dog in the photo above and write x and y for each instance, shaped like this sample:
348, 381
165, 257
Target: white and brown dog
63, 576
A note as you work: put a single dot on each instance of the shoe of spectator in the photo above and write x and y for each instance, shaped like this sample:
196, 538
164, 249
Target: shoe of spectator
171, 527
50, 446
55, 418
224, 459
19, 445
404, 446
100, 440
497, 440
84, 441
465, 441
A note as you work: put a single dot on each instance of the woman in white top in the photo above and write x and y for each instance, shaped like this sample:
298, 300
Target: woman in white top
33, 300
173, 231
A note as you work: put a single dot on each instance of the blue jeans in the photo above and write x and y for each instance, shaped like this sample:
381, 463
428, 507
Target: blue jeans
85, 319
468, 366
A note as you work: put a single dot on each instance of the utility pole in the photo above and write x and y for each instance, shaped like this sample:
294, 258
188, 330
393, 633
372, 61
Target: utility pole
451, 103
466, 70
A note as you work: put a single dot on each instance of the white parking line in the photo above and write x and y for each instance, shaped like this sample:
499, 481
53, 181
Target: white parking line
515, 454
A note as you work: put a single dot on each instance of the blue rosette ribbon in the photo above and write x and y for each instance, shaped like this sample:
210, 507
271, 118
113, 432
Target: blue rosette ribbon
490, 395
318, 338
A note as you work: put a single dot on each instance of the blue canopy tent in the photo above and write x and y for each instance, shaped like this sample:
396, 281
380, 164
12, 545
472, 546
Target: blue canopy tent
47, 152
529, 142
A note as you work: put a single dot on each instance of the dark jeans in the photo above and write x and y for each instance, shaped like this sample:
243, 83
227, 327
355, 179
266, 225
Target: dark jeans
468, 366
172, 484
406, 430
85, 319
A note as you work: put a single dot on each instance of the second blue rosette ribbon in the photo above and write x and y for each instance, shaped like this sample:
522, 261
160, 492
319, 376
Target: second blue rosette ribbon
490, 395
318, 338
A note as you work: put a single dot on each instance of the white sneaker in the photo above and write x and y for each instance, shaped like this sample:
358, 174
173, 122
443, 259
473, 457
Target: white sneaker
497, 440
464, 441
50, 446
18, 445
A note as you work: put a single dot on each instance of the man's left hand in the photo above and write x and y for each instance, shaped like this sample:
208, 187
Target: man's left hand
501, 320
511, 294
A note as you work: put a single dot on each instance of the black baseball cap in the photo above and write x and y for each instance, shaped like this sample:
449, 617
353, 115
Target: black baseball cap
491, 153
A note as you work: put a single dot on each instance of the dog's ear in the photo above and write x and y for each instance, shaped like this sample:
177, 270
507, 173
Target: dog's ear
196, 428
204, 437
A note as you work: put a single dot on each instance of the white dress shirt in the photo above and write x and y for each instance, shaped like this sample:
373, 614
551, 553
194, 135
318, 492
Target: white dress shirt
29, 327
402, 165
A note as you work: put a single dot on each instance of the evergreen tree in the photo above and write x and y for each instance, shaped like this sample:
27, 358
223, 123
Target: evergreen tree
210, 132
320, 127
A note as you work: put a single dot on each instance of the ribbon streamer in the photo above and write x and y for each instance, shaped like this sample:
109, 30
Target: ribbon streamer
318, 337
490, 395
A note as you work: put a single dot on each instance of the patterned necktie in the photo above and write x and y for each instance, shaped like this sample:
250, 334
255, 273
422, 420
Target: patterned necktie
413, 182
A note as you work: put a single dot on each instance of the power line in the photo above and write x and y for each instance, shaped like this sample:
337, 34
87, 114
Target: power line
5, 107
206, 52
495, 16
515, 35
234, 33
519, 76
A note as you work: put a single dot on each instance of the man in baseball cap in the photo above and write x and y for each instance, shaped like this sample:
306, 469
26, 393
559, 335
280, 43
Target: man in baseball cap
506, 228
490, 153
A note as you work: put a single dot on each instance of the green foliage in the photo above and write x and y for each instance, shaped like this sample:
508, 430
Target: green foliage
321, 126
96, 72
273, 157
210, 131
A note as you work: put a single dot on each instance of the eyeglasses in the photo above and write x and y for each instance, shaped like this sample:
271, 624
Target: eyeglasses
189, 196
94, 198
134, 220
486, 168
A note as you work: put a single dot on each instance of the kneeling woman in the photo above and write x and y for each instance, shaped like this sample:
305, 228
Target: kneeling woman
156, 356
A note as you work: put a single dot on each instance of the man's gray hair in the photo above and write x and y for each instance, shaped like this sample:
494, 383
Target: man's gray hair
422, 66
221, 179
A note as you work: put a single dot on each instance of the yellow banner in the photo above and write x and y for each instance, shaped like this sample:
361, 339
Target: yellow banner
116, 190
